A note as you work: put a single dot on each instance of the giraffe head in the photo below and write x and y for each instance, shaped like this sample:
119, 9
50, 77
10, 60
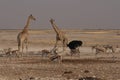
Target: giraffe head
52, 20
31, 17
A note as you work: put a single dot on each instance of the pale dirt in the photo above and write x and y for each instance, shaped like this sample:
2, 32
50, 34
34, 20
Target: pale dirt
33, 67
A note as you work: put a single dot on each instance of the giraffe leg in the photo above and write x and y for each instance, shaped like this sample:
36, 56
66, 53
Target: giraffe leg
22, 46
19, 45
55, 44
64, 45
26, 46
63, 48
54, 47
18, 48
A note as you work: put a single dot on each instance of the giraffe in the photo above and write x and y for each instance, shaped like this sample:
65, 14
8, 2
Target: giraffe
22, 37
60, 36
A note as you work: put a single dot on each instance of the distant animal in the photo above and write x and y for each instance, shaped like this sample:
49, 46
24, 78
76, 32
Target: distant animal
110, 47
103, 49
94, 47
15, 52
55, 56
74, 46
60, 35
22, 37
45, 52
12, 52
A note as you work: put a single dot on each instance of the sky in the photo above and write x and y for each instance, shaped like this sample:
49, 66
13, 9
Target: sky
82, 14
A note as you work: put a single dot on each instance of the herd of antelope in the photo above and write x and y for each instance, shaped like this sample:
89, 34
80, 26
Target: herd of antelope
53, 54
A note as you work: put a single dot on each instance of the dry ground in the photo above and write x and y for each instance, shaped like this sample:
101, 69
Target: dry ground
33, 67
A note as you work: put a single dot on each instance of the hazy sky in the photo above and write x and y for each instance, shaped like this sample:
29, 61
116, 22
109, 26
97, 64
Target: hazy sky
83, 14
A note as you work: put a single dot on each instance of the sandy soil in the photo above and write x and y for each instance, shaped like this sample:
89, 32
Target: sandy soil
31, 66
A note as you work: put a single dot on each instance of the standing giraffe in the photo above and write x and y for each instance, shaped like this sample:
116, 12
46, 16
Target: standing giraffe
60, 36
22, 37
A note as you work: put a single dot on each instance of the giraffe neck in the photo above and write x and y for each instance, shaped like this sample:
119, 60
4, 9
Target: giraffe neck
25, 30
57, 30
27, 24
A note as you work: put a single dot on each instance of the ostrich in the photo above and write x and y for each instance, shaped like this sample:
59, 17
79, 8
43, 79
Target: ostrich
74, 46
